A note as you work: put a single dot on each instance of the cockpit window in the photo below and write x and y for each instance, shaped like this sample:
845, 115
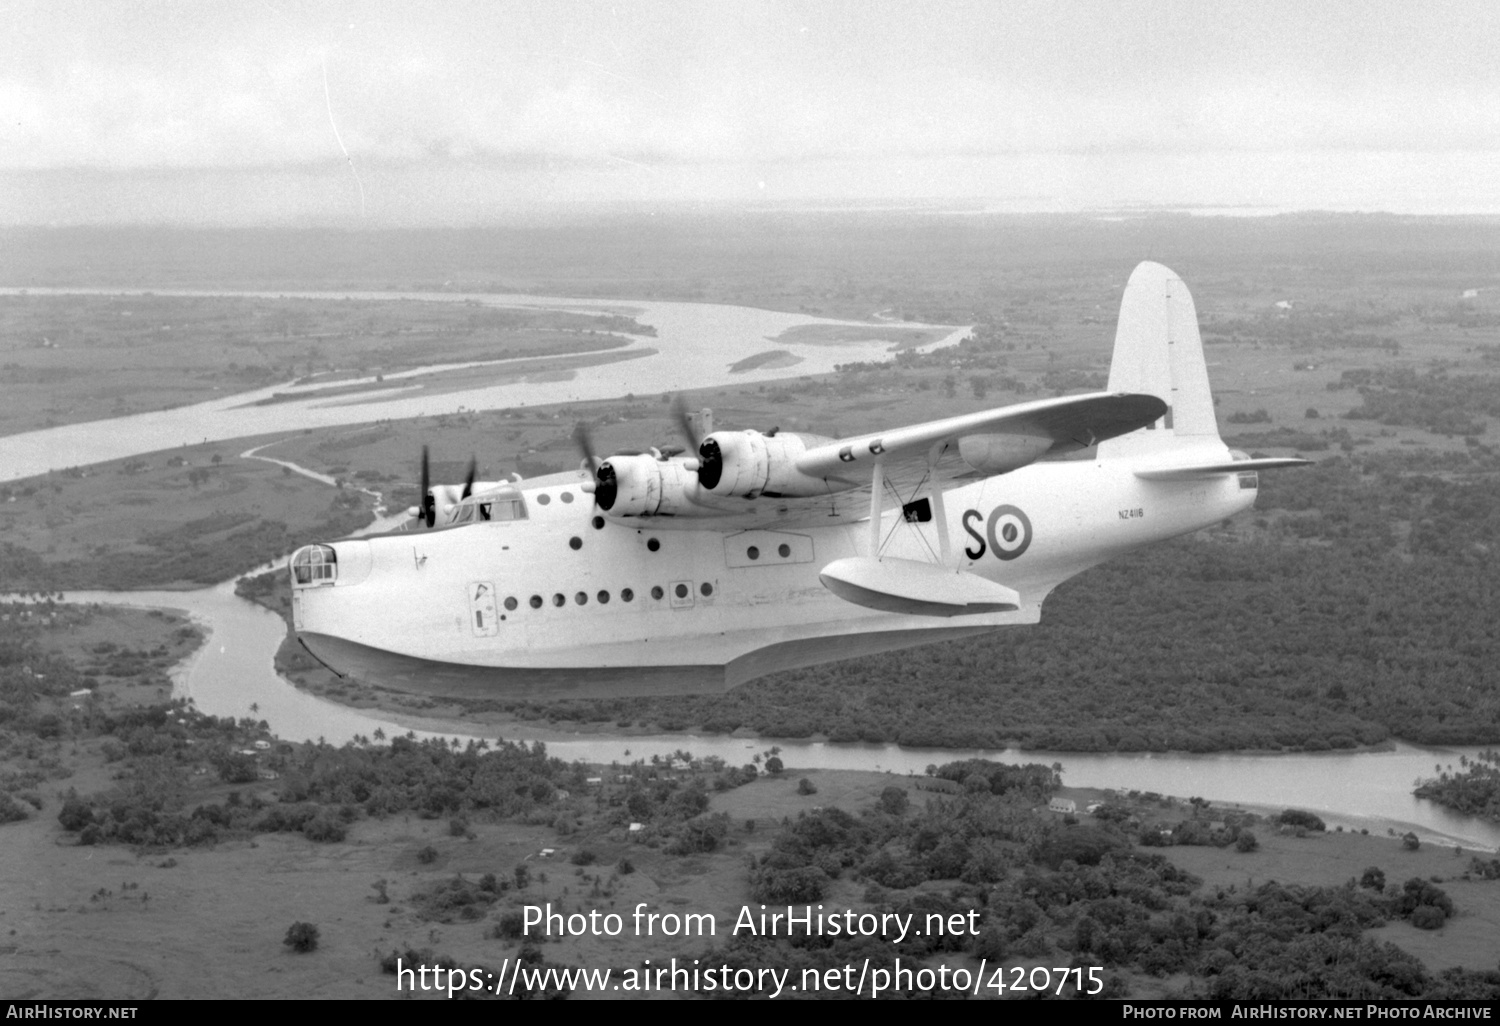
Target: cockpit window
506, 509
489, 508
314, 564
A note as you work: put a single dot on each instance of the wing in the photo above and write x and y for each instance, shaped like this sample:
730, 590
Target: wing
1045, 427
923, 455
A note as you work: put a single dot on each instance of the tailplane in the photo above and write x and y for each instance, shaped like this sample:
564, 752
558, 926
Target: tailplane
1159, 352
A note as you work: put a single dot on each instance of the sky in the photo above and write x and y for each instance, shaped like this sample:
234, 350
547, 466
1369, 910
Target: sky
386, 113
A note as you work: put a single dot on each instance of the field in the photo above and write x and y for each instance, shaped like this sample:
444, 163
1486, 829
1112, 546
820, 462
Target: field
440, 889
71, 358
185, 517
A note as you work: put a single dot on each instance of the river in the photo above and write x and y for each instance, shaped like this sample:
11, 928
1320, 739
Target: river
694, 346
232, 675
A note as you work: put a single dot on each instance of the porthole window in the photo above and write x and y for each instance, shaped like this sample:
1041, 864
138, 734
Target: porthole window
753, 552
582, 598
543, 499
510, 603
653, 544
626, 594
656, 591
598, 523
566, 496
682, 591
784, 550
707, 589
559, 599
603, 598
575, 543
536, 602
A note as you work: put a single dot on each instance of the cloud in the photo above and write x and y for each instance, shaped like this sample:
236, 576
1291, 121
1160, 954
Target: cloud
641, 98
244, 112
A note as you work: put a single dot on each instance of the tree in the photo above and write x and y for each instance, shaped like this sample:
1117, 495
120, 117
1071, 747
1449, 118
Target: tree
774, 765
1373, 878
301, 937
1428, 917
1410, 841
893, 800
76, 813
1298, 818
805, 787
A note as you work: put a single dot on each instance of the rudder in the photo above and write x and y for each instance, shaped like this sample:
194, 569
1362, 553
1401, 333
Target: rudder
1159, 352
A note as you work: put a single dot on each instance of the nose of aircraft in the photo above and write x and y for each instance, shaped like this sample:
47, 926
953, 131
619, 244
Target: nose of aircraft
339, 564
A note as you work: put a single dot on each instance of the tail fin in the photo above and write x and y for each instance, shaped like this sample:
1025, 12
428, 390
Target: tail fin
1158, 351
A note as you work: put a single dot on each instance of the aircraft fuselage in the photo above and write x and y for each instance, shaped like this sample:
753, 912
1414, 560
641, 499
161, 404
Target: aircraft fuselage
567, 602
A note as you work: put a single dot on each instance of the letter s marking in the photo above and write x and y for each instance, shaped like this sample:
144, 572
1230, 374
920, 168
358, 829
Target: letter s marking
973, 514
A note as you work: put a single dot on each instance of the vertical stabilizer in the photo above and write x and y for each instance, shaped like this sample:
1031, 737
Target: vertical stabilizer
1158, 351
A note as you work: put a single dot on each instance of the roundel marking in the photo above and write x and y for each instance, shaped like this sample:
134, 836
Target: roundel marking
1009, 532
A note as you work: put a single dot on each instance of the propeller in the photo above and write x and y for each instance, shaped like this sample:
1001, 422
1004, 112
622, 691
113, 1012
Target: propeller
710, 463
585, 444
606, 487
428, 504
685, 421
469, 477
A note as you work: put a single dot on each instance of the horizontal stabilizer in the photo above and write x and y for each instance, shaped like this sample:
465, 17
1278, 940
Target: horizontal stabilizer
919, 589
1201, 470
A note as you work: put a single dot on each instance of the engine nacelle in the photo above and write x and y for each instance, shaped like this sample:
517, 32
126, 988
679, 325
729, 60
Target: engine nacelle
1001, 453
643, 486
750, 464
444, 500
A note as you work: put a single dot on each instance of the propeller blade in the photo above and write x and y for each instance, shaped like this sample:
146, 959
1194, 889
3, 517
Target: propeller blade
429, 508
585, 444
469, 477
596, 466
684, 421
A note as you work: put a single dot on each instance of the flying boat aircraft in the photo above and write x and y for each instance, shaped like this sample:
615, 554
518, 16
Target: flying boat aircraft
674, 573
